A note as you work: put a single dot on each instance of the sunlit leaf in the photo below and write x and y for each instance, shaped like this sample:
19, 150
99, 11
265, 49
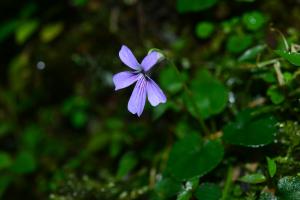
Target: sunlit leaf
25, 30
253, 178
252, 53
271, 166
50, 32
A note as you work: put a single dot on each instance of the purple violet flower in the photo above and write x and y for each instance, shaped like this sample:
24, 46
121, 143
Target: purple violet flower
145, 86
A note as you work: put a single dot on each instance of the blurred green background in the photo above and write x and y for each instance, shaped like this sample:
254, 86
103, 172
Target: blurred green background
66, 134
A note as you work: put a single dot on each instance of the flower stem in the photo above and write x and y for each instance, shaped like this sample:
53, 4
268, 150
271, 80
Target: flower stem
190, 94
227, 183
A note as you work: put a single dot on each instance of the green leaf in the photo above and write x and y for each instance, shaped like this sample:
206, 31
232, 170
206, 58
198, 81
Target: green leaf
5, 160
126, 164
25, 30
5, 181
51, 31
7, 29
251, 53
184, 195
293, 58
250, 129
288, 188
31, 137
276, 95
253, 178
208, 191
191, 149
24, 163
271, 166
169, 80
238, 43
79, 2
167, 187
194, 5
79, 118
209, 94
253, 20
204, 29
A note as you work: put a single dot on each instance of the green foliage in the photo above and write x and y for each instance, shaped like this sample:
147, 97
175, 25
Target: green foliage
252, 53
24, 163
276, 95
51, 31
194, 5
169, 80
205, 156
253, 178
208, 191
238, 43
7, 29
204, 29
209, 94
293, 58
25, 30
271, 167
253, 20
250, 129
127, 163
5, 160
167, 187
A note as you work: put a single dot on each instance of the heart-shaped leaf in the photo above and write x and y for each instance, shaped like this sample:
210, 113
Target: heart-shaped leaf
209, 95
250, 129
191, 157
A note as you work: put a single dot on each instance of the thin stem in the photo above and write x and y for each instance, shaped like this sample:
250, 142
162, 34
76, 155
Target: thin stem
190, 94
279, 73
286, 44
269, 62
227, 183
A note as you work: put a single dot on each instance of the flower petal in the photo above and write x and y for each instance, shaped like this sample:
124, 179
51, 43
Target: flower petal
137, 100
128, 58
150, 60
124, 79
154, 93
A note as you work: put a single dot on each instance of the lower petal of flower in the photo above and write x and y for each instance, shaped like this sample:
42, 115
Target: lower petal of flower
137, 100
154, 93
